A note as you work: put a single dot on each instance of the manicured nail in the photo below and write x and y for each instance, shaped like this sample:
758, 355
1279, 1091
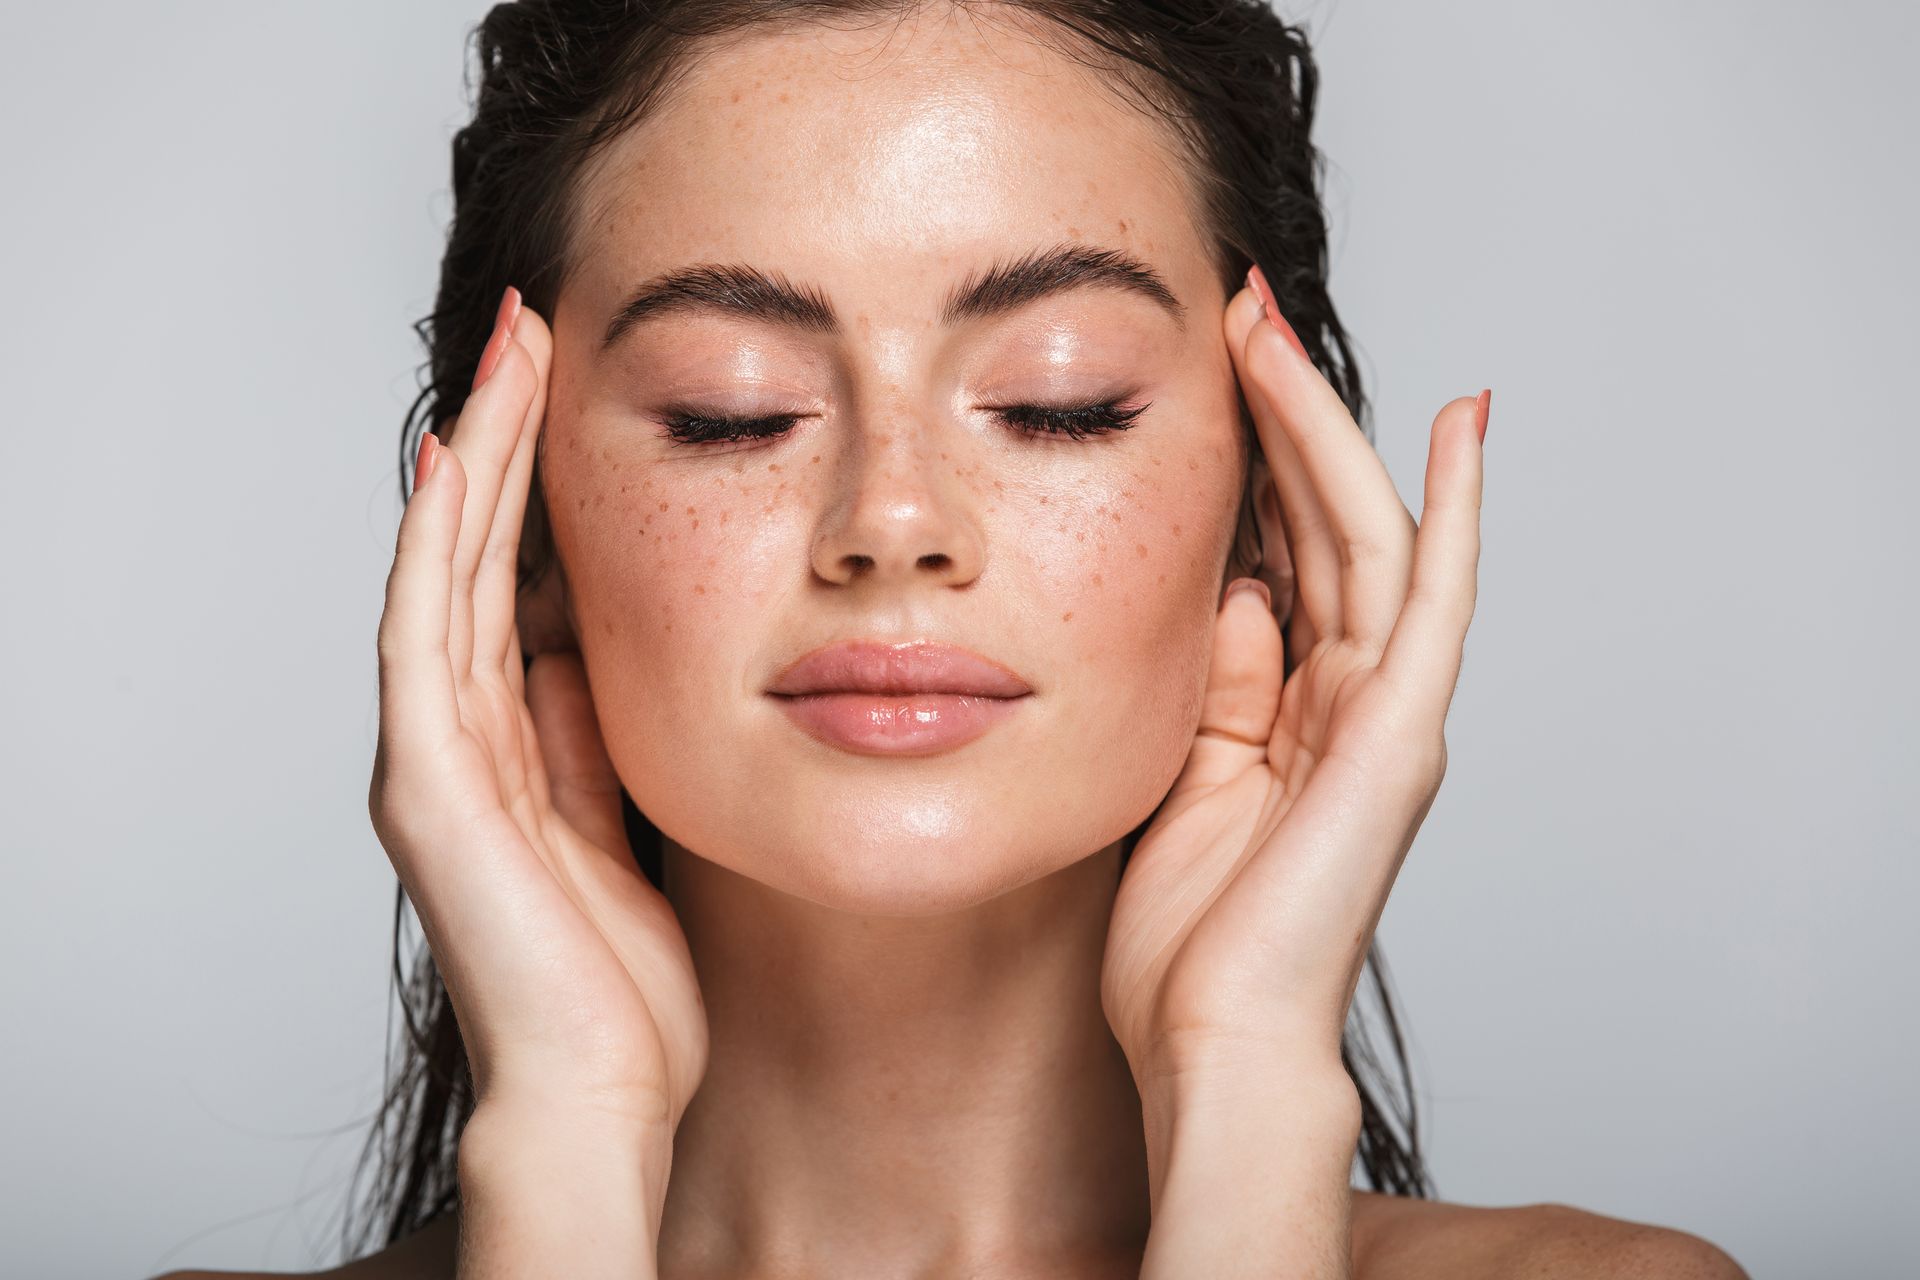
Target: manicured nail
1249, 584
1485, 405
1258, 279
509, 310
423, 460
503, 321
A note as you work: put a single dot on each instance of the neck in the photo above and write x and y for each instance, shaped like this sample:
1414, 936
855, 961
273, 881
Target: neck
894, 1095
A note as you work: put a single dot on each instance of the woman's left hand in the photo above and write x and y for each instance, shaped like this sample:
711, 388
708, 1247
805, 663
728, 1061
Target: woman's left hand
1242, 923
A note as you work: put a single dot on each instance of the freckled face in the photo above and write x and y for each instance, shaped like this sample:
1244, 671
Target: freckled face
879, 172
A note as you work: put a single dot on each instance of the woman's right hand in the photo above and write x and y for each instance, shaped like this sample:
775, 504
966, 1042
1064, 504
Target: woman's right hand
496, 800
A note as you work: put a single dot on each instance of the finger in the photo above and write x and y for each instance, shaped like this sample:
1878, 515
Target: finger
516, 666
1423, 655
418, 704
536, 764
485, 436
1280, 574
583, 787
497, 582
1309, 537
1371, 527
1242, 697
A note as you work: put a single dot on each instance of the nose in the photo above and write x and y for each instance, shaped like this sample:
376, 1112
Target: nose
901, 514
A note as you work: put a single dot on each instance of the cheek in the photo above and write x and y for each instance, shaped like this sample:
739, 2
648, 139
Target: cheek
1134, 557
668, 569
1129, 575
663, 557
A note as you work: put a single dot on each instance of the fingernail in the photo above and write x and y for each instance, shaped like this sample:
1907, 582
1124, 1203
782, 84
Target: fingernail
1258, 279
509, 310
423, 460
1249, 584
1485, 404
503, 320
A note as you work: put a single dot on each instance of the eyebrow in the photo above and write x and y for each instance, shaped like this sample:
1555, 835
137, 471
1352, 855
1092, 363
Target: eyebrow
742, 290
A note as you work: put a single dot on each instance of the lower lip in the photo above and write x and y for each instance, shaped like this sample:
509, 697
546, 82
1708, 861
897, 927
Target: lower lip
896, 724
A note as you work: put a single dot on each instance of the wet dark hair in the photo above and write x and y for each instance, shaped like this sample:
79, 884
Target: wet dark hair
559, 79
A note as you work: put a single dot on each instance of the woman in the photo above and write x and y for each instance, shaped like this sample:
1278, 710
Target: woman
861, 824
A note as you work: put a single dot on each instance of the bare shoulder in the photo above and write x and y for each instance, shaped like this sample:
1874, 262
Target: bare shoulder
427, 1254
1398, 1238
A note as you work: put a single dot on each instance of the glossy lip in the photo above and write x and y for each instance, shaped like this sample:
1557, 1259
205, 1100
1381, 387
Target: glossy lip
910, 667
917, 698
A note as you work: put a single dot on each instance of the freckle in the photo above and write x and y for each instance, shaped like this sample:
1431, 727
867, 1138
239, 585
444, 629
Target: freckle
1162, 578
699, 589
814, 458
1116, 515
773, 466
623, 488
1176, 531
1067, 616
1043, 499
669, 626
581, 505
692, 512
1141, 547
663, 506
943, 456
998, 485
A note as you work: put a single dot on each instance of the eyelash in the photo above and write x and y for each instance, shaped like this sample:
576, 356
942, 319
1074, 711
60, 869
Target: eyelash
1073, 422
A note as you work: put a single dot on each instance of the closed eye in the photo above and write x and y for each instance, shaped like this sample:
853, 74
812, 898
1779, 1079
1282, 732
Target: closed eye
1075, 422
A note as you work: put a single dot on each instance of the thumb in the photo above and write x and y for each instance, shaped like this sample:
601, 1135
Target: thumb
1243, 690
581, 780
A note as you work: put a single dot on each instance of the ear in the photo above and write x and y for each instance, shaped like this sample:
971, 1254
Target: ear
1263, 535
543, 612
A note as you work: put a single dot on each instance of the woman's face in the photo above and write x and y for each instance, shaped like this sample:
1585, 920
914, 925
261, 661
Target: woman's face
883, 174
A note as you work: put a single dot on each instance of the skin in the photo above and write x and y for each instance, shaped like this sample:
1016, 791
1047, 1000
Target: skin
903, 953
896, 1015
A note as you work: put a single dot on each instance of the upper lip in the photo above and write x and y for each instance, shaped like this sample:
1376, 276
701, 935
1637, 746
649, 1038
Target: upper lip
913, 666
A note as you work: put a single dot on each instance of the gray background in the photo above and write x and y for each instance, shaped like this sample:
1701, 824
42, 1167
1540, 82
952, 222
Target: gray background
1651, 940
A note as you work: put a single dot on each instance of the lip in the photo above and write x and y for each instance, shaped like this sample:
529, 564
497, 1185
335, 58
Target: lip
910, 667
917, 698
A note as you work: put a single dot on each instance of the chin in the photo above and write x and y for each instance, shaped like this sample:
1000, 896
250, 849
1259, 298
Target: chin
923, 851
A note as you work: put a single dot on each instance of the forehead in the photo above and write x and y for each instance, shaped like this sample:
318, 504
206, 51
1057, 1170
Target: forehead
874, 157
